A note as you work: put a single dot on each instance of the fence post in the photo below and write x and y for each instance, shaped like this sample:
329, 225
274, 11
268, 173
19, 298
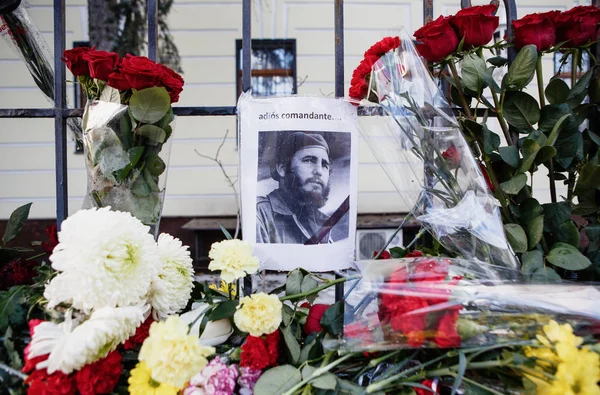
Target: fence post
60, 104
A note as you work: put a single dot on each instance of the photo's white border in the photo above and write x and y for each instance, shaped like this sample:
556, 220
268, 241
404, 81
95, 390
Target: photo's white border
256, 115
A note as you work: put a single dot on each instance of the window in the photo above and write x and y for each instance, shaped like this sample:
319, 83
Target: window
273, 65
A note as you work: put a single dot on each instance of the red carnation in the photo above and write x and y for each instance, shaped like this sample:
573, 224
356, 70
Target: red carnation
57, 383
436, 40
536, 29
578, 26
359, 88
101, 376
73, 59
476, 24
101, 63
447, 335
426, 383
260, 353
382, 47
140, 335
30, 363
313, 320
48, 246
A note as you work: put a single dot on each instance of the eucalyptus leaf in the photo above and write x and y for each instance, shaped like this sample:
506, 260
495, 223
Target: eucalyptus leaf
140, 187
521, 110
514, 185
291, 345
277, 380
149, 105
153, 133
150, 179
521, 71
510, 155
15, 222
516, 237
557, 91
567, 257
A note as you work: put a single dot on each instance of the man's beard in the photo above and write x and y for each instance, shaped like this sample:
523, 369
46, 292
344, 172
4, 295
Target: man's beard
312, 198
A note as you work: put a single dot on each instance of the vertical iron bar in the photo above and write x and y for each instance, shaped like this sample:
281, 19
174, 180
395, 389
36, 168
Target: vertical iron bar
60, 103
339, 86
246, 79
427, 11
152, 29
511, 15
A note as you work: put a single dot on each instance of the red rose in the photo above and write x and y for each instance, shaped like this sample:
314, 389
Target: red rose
260, 353
436, 40
382, 47
172, 81
578, 26
141, 333
101, 376
117, 81
452, 156
140, 72
73, 59
101, 63
476, 24
414, 254
486, 176
17, 272
313, 320
57, 383
48, 247
536, 29
384, 255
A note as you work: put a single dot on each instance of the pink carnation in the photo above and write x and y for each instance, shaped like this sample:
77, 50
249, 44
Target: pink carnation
216, 379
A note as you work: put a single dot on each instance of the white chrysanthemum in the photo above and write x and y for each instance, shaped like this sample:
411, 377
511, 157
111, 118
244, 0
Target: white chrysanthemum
233, 258
172, 287
107, 259
72, 348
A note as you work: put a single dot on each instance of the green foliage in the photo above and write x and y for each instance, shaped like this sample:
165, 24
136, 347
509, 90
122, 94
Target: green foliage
15, 222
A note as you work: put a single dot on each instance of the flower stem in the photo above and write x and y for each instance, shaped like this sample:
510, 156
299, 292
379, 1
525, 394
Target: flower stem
540, 80
461, 94
500, 115
574, 65
303, 295
318, 372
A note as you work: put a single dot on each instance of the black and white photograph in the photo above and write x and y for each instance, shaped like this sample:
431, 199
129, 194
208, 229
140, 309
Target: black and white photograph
303, 187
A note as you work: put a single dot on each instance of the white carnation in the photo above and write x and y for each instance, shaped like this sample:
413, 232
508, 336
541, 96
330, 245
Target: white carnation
106, 259
72, 348
172, 287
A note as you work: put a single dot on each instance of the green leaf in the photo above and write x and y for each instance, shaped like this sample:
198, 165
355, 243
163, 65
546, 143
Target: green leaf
568, 257
225, 232
15, 222
514, 185
545, 153
135, 154
510, 155
521, 110
521, 71
325, 381
531, 208
473, 69
11, 310
333, 319
593, 233
462, 368
155, 165
532, 260
293, 283
593, 136
564, 126
567, 232
516, 237
529, 150
308, 283
287, 314
535, 230
306, 350
557, 91
277, 380
579, 91
491, 141
498, 61
545, 275
140, 187
154, 134
397, 252
125, 131
589, 179
224, 310
149, 105
291, 344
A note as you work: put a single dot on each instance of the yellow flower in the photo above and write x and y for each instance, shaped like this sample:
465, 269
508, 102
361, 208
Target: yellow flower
560, 333
141, 383
258, 314
171, 354
233, 258
226, 289
577, 375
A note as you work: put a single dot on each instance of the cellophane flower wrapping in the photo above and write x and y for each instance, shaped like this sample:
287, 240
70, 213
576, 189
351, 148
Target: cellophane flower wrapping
438, 302
419, 144
127, 158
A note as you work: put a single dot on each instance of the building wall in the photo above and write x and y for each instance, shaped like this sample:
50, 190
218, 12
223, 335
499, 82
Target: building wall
205, 32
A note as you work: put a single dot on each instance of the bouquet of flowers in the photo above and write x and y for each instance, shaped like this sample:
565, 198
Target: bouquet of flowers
127, 125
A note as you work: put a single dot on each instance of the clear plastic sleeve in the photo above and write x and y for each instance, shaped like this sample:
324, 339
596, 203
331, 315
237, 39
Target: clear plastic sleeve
444, 303
24, 38
417, 140
126, 166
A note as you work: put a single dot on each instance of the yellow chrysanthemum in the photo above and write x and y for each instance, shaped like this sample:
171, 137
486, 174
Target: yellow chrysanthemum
142, 383
560, 333
258, 314
171, 354
227, 289
233, 258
